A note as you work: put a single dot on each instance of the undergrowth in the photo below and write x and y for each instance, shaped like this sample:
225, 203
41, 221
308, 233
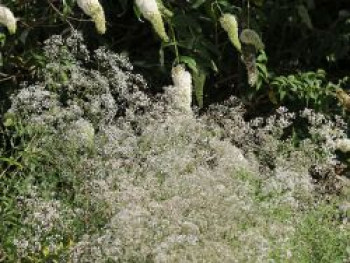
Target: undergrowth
96, 170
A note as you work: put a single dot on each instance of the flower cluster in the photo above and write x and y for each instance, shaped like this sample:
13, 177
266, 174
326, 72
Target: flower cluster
150, 11
181, 93
94, 9
230, 25
8, 19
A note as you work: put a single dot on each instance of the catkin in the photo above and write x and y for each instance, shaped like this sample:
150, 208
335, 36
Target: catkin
182, 80
94, 9
8, 19
230, 25
250, 37
149, 9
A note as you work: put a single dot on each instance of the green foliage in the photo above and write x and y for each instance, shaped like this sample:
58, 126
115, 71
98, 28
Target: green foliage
296, 36
94, 168
309, 89
319, 239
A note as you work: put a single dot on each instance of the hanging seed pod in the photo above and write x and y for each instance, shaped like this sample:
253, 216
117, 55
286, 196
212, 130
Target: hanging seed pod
8, 19
249, 59
94, 9
250, 37
230, 25
149, 9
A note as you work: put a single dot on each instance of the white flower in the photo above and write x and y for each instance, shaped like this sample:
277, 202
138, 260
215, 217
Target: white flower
8, 19
182, 88
147, 7
94, 9
81, 133
150, 11
343, 145
230, 25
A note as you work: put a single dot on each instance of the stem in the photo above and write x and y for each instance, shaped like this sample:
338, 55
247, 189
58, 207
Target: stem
248, 6
175, 44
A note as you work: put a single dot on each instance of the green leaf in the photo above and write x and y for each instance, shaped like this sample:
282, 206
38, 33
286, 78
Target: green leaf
11, 161
199, 79
305, 17
190, 62
198, 3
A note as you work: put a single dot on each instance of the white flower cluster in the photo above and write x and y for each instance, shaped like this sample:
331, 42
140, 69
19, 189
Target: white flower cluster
8, 19
230, 25
182, 91
94, 9
150, 10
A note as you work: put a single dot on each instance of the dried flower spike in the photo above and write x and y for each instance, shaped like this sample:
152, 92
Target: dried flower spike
8, 19
249, 59
182, 80
229, 24
150, 10
94, 9
250, 37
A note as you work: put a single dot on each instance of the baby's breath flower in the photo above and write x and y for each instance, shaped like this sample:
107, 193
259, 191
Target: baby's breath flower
150, 10
94, 9
230, 25
8, 19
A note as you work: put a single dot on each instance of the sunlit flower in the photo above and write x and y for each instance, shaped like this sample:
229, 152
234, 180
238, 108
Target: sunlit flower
343, 145
230, 25
94, 9
8, 19
150, 11
183, 87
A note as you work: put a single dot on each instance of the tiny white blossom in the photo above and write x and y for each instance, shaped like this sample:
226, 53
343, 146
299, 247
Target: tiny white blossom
94, 9
8, 19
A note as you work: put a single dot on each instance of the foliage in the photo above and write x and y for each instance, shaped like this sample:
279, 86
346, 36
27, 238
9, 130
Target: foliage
310, 89
96, 164
195, 34
149, 182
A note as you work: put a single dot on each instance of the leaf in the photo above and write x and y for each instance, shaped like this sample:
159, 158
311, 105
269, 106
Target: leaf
272, 97
190, 62
258, 2
198, 3
181, 21
11, 161
161, 56
46, 251
304, 15
199, 79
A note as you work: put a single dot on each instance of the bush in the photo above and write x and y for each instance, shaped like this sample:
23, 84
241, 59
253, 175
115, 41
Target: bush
150, 182
221, 53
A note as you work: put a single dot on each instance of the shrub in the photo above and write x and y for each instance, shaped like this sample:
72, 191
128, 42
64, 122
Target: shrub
150, 182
